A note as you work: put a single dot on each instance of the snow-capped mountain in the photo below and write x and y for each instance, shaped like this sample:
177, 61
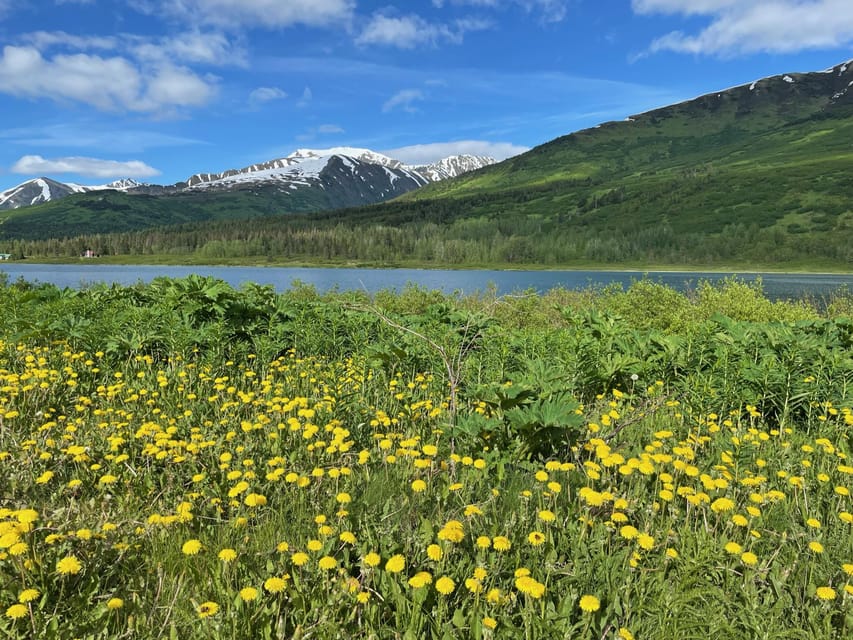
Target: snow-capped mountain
42, 190
348, 176
307, 167
453, 166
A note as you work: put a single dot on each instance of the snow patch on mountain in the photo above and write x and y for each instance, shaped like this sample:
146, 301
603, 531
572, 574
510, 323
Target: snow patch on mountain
453, 166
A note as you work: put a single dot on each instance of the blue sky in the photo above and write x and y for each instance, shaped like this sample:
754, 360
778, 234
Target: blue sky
93, 90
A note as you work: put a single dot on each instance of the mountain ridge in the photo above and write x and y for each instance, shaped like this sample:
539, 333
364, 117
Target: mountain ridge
300, 168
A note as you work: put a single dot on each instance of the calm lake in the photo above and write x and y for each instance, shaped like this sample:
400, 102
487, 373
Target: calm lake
776, 285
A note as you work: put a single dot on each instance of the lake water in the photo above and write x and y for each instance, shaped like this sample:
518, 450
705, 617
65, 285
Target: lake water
776, 285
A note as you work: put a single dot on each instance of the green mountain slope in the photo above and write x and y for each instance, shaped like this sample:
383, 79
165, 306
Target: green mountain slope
776, 151
756, 174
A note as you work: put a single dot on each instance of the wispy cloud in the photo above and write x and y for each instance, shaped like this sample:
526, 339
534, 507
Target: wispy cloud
262, 95
741, 28
89, 167
410, 31
547, 10
273, 14
404, 99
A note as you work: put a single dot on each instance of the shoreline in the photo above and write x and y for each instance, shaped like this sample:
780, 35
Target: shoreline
260, 262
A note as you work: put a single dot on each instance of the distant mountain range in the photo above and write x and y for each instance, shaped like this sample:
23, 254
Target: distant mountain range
755, 175
349, 176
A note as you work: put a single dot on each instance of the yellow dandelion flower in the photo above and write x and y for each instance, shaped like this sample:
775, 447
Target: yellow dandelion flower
372, 559
314, 545
191, 547
749, 559
248, 594
347, 537
473, 585
739, 520
327, 563
69, 565
813, 522
275, 584
115, 603
589, 604
420, 580
16, 611
529, 586
418, 486
207, 609
395, 564
299, 558
434, 552
825, 593
733, 548
445, 585
536, 538
484, 542
494, 596
816, 546
628, 532
490, 623
546, 516
848, 568
343, 498
255, 500
721, 505
227, 555
625, 634
501, 543
363, 597
28, 595
646, 541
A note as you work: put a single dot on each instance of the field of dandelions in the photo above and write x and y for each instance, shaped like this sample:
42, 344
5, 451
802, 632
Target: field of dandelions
185, 460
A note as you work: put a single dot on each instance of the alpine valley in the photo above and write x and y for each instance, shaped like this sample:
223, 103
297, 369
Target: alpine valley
754, 175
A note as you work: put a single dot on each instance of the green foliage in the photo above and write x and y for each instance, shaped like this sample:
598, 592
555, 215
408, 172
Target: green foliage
131, 417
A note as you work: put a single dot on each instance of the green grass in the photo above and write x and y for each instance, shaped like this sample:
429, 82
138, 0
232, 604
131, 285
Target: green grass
611, 469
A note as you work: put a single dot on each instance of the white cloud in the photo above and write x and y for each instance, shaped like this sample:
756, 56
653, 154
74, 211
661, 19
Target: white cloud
210, 48
329, 129
403, 99
199, 47
738, 27
108, 84
550, 10
262, 95
408, 32
178, 87
90, 167
684, 7
232, 14
45, 39
427, 153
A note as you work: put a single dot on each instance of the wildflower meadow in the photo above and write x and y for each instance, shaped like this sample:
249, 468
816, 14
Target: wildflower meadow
185, 460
